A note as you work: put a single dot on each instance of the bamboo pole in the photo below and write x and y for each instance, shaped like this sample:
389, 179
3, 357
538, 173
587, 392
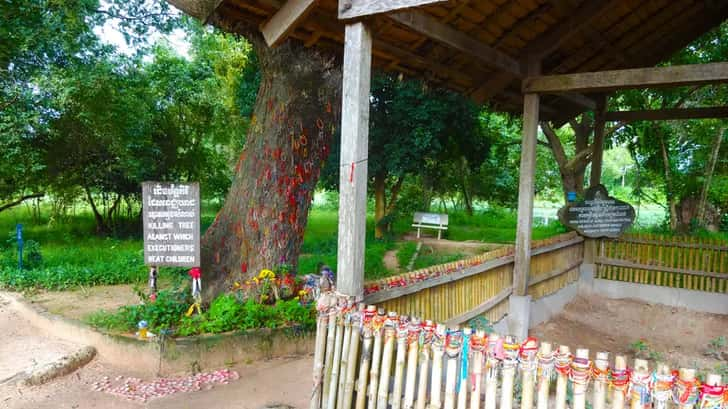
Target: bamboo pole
712, 393
639, 385
620, 382
346, 343
322, 323
366, 356
413, 343
494, 355
396, 398
334, 318
600, 373
528, 366
686, 392
353, 355
508, 371
662, 388
453, 348
336, 359
545, 359
478, 345
563, 368
462, 387
425, 353
438, 350
390, 331
377, 326
580, 373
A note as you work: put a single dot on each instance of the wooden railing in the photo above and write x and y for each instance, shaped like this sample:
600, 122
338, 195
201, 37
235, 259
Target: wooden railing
478, 286
678, 262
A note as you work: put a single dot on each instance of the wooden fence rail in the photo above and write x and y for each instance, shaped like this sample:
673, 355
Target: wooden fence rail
480, 285
678, 262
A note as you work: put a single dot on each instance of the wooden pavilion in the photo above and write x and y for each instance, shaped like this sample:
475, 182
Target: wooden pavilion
547, 59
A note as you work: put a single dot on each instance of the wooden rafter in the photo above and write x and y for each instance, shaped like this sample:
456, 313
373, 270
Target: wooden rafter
349, 9
429, 26
667, 114
677, 75
285, 20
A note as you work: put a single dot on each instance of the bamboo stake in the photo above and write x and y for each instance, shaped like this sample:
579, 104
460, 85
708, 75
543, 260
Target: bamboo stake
712, 394
580, 373
322, 323
478, 345
353, 352
413, 343
346, 343
453, 347
686, 392
662, 387
620, 382
528, 366
508, 372
396, 398
563, 368
328, 361
494, 356
438, 350
462, 387
639, 385
366, 355
377, 326
601, 367
545, 371
425, 351
336, 360
390, 330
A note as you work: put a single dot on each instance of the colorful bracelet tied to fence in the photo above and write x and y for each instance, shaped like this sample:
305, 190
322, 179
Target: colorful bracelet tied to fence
427, 359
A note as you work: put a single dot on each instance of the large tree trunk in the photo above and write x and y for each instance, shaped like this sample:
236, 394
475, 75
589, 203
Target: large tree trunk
672, 200
296, 113
709, 170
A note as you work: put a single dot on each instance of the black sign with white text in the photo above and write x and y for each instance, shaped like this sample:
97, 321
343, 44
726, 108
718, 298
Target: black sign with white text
598, 215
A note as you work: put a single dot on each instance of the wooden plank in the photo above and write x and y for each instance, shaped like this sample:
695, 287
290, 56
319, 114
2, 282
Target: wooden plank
630, 239
554, 273
667, 114
397, 292
353, 162
595, 178
526, 190
359, 8
431, 27
677, 270
285, 20
556, 246
480, 309
678, 75
199, 9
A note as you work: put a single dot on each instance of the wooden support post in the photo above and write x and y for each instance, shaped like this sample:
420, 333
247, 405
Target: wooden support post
598, 145
508, 372
563, 363
413, 343
453, 348
390, 333
438, 351
322, 323
545, 370
526, 191
329, 358
399, 362
366, 356
376, 358
353, 163
480, 341
346, 343
336, 360
352, 357
580, 373
425, 354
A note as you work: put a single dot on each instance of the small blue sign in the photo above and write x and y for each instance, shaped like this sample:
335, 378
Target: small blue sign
19, 237
571, 196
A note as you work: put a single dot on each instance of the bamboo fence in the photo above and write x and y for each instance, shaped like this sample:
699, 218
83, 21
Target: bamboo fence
679, 262
379, 359
478, 286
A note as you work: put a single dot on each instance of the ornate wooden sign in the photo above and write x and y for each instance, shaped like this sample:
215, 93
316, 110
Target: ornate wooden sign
171, 224
598, 215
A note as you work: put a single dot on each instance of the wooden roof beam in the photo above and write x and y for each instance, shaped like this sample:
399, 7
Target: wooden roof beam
432, 28
693, 74
285, 20
360, 8
667, 114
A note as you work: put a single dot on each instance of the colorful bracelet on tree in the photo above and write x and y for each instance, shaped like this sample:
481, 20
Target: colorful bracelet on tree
527, 355
619, 380
640, 387
545, 366
712, 397
581, 369
661, 386
685, 392
562, 363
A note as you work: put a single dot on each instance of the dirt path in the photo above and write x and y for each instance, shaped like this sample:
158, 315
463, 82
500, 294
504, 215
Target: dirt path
79, 303
680, 336
390, 261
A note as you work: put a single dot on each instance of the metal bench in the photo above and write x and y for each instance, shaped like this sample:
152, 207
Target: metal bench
436, 221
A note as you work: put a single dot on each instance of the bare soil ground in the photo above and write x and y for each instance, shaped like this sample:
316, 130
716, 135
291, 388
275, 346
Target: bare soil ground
469, 247
79, 303
680, 336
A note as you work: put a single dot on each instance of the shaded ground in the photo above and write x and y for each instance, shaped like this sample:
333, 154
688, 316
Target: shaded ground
79, 303
680, 337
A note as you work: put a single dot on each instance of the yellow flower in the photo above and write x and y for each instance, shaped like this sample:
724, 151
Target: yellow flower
263, 297
265, 273
302, 293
